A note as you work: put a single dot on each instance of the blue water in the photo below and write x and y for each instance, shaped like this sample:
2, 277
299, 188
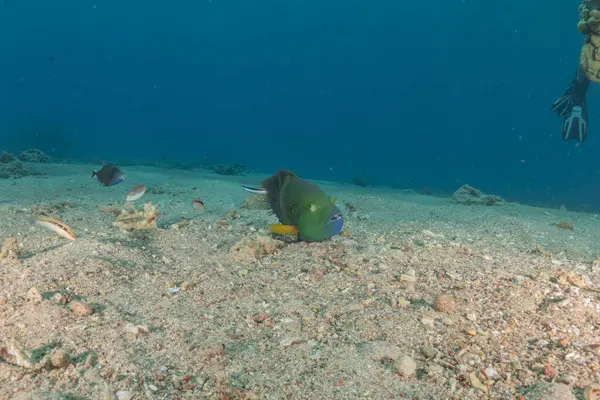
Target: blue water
410, 94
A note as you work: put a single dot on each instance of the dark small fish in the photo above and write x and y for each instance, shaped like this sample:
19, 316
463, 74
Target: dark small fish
109, 175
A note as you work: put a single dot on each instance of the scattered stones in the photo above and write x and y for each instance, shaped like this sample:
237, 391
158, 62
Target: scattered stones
468, 195
405, 366
444, 303
82, 309
60, 358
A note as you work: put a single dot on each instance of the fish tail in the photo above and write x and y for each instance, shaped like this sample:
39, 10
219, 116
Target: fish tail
255, 190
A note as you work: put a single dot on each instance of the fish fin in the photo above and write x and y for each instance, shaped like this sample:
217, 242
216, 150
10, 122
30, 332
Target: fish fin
333, 199
94, 173
285, 230
255, 190
273, 186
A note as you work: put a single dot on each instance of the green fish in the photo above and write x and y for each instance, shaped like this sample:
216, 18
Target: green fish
303, 209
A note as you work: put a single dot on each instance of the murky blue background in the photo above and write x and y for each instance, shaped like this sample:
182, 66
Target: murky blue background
411, 94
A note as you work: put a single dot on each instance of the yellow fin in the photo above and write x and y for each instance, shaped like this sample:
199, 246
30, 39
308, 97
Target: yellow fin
280, 229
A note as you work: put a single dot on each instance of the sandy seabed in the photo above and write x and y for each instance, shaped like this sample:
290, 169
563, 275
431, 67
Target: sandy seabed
421, 298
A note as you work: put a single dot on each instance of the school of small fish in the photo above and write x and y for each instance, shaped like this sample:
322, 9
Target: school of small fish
108, 175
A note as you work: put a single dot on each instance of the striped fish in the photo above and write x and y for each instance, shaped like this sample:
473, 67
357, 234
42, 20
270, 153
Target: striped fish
55, 226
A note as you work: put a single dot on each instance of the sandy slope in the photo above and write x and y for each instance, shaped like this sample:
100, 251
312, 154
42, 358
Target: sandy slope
217, 309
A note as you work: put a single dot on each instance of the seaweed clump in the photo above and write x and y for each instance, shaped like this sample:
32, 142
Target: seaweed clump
229, 169
10, 167
468, 195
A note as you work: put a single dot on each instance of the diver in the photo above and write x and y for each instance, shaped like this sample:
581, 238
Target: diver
572, 105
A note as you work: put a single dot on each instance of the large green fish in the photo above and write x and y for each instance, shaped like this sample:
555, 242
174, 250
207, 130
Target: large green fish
303, 209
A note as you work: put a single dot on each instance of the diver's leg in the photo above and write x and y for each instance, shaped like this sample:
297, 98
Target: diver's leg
572, 107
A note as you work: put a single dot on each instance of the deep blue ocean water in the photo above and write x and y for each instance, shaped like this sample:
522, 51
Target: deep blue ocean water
410, 94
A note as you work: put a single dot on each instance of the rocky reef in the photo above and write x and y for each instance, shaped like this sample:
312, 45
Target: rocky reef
34, 156
468, 195
11, 167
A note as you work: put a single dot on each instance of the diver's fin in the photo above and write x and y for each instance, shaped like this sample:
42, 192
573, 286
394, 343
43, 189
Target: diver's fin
285, 230
255, 190
573, 108
575, 124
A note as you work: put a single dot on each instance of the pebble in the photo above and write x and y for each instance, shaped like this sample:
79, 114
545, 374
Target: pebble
429, 322
402, 302
125, 395
444, 303
134, 331
592, 392
491, 373
82, 309
405, 366
60, 358
472, 317
34, 296
152, 387
476, 383
428, 352
3, 300
558, 391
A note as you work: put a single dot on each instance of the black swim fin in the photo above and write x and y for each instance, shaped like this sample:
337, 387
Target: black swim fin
572, 107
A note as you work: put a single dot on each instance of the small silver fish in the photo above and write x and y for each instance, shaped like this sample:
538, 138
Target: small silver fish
198, 204
136, 192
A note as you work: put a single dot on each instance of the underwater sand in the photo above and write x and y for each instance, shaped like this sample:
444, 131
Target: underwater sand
217, 309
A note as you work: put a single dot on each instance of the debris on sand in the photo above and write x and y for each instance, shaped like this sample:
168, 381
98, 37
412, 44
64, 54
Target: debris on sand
255, 247
468, 195
255, 202
10, 251
137, 220
565, 225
